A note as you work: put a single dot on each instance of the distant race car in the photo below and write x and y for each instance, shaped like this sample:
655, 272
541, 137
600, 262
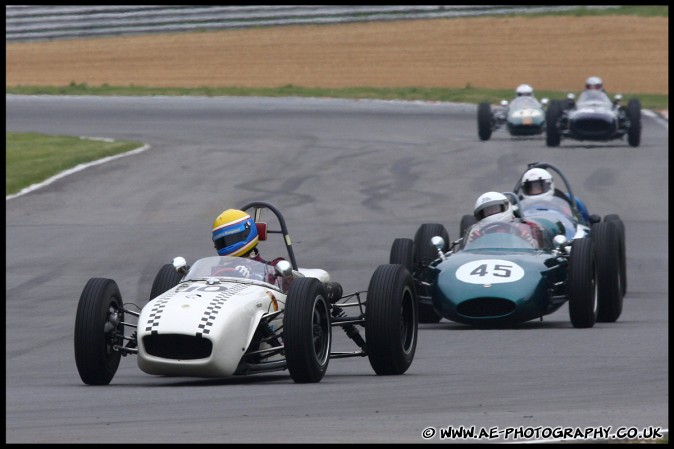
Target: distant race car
500, 279
200, 322
594, 117
523, 116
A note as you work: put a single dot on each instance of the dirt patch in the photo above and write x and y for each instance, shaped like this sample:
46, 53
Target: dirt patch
630, 53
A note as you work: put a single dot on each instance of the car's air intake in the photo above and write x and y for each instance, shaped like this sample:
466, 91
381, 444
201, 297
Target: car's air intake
177, 347
486, 307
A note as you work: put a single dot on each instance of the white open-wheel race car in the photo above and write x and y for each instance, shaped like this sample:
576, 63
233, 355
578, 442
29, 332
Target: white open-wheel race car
278, 317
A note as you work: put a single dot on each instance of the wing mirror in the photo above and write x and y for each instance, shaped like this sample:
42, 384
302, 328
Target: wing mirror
439, 243
571, 96
180, 264
504, 103
283, 268
559, 241
545, 101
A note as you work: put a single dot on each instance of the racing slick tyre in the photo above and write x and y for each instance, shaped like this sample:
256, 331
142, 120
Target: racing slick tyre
623, 263
582, 284
484, 121
424, 254
424, 251
307, 330
166, 279
606, 236
634, 115
552, 115
466, 222
391, 322
98, 329
402, 252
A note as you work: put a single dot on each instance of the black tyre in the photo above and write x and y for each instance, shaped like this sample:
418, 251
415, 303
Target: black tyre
402, 252
607, 243
97, 329
485, 120
391, 323
615, 219
307, 331
166, 279
425, 253
553, 114
466, 222
634, 116
582, 284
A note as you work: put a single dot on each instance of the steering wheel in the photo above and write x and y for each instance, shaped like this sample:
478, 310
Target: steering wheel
497, 227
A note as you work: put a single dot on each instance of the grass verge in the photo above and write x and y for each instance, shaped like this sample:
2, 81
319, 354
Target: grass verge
467, 94
32, 158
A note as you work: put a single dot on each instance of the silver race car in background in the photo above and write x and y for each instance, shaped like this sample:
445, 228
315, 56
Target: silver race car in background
593, 116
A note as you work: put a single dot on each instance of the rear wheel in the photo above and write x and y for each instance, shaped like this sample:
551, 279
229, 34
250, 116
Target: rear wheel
166, 279
98, 329
424, 254
634, 116
623, 260
607, 242
307, 332
485, 120
582, 284
391, 323
552, 116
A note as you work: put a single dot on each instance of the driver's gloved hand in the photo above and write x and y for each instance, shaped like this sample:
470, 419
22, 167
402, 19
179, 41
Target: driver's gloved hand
243, 271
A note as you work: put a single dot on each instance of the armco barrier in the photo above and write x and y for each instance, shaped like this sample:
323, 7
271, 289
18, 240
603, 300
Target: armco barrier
58, 22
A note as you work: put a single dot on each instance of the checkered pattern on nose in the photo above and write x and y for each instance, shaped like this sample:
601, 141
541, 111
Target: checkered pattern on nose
155, 314
214, 308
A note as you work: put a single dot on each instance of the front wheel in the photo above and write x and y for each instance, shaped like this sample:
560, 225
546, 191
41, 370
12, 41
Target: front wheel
307, 331
391, 322
98, 329
552, 118
424, 254
485, 119
466, 222
634, 116
402, 252
166, 279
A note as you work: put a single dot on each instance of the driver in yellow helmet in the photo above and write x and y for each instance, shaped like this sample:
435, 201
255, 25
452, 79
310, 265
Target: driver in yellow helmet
235, 234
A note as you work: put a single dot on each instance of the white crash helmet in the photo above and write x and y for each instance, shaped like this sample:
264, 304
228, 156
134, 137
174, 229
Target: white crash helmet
537, 182
493, 206
594, 83
524, 90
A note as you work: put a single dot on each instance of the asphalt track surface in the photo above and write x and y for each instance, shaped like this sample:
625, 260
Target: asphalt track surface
350, 177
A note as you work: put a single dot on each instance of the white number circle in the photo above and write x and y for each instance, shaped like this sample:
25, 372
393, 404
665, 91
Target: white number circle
489, 271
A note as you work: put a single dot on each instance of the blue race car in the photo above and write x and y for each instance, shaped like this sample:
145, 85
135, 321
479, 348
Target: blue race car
579, 223
499, 278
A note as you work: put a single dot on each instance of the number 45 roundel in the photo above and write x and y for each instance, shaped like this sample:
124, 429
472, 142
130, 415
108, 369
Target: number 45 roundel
489, 271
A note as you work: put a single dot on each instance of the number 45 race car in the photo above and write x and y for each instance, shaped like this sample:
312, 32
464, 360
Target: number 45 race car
202, 321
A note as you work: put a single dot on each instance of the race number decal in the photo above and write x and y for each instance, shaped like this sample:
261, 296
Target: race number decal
489, 271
